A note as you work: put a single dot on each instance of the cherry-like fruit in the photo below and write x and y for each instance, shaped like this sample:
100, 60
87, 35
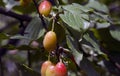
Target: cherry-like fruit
50, 41
45, 7
60, 69
44, 67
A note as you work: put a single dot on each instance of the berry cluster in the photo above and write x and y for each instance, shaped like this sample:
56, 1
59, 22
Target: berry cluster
49, 69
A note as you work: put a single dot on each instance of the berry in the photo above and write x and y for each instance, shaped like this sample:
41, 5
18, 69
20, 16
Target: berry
60, 69
50, 70
50, 41
44, 67
45, 8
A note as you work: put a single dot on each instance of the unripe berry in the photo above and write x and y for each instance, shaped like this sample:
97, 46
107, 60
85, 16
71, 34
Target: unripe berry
60, 69
44, 67
45, 7
50, 41
50, 71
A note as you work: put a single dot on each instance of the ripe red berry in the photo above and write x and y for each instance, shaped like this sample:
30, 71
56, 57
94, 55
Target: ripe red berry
44, 67
45, 7
50, 41
60, 69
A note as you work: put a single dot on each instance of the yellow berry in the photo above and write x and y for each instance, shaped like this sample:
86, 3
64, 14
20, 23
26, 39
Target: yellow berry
50, 41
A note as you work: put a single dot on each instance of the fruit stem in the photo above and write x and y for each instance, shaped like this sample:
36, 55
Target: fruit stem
60, 60
53, 24
49, 56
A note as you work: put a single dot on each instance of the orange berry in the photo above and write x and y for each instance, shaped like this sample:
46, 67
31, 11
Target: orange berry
50, 41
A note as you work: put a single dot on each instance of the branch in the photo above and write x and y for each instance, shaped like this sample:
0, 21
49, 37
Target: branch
15, 15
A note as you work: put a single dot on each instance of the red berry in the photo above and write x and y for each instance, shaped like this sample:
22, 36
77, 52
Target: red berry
44, 67
45, 7
50, 41
60, 69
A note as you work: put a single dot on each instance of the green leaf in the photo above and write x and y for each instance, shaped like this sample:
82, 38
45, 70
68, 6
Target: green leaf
100, 20
102, 25
74, 49
74, 21
76, 8
115, 33
105, 17
97, 6
19, 37
3, 36
94, 44
33, 30
76, 16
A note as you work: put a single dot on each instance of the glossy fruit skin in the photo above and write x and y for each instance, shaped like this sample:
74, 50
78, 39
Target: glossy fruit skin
44, 67
45, 8
50, 41
50, 70
60, 69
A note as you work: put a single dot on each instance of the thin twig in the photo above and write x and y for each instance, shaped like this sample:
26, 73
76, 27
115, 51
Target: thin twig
1, 68
40, 16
